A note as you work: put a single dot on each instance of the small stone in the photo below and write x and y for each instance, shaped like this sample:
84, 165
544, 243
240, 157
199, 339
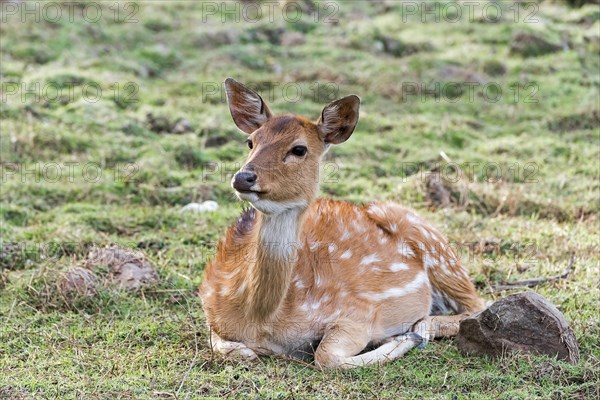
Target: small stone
182, 125
127, 269
524, 322
78, 281
132, 276
207, 206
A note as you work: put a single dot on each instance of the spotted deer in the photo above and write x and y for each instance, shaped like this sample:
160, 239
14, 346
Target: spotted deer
349, 284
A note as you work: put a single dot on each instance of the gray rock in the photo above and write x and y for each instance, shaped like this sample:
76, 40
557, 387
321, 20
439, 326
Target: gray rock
524, 322
182, 125
78, 281
132, 276
126, 269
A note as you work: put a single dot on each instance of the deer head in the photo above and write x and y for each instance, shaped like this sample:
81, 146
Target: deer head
282, 169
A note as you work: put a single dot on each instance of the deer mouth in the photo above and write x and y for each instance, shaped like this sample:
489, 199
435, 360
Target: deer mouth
249, 195
256, 192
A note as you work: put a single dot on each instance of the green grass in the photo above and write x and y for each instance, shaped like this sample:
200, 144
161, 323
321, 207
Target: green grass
538, 197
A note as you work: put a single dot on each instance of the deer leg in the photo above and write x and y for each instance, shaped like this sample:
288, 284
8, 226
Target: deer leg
438, 326
231, 349
343, 341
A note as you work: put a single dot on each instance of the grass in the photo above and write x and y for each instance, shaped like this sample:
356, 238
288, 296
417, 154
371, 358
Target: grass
521, 171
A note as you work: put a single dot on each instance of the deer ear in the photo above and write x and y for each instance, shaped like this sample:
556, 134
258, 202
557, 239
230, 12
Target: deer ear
338, 119
247, 108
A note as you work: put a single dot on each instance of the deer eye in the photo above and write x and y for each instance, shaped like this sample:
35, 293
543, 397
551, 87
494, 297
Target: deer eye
299, 150
249, 143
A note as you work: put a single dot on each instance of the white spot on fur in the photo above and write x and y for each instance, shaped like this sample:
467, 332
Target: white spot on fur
429, 261
405, 250
370, 259
415, 285
395, 267
313, 246
332, 247
299, 284
346, 255
345, 234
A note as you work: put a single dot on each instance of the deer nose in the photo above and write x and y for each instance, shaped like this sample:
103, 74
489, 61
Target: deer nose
243, 181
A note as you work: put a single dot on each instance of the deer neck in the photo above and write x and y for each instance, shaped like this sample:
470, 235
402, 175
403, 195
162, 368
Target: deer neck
275, 251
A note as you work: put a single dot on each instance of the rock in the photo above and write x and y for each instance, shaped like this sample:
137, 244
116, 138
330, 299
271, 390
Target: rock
182, 125
133, 276
529, 45
110, 256
437, 191
207, 206
524, 322
127, 269
441, 192
78, 281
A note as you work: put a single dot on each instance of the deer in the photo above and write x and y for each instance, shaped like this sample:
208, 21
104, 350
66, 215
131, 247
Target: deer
296, 276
